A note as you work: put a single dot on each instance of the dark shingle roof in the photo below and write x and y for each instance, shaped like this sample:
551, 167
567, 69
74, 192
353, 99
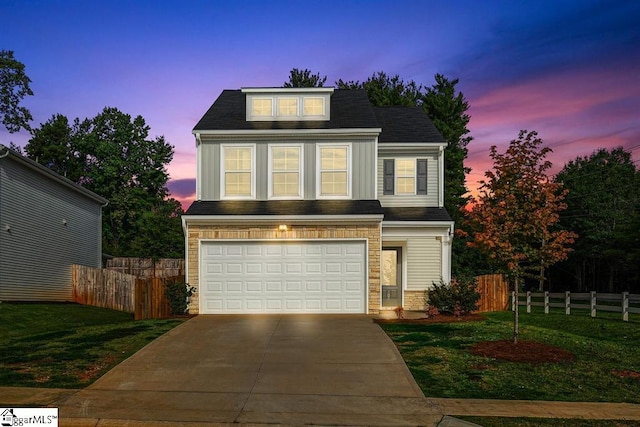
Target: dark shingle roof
285, 207
416, 214
406, 124
349, 109
316, 207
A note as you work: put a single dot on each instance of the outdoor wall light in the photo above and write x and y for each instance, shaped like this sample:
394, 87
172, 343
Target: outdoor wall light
64, 222
283, 227
8, 228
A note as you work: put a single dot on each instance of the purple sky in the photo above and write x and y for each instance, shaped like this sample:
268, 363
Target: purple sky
568, 69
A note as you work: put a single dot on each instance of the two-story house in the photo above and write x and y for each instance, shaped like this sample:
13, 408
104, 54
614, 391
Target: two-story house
311, 200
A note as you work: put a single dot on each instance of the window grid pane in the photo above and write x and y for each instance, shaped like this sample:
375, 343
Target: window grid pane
262, 107
237, 173
285, 171
333, 158
333, 183
313, 106
405, 185
405, 176
288, 106
237, 184
333, 171
286, 184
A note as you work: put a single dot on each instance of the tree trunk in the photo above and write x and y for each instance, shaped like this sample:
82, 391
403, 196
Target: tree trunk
541, 279
515, 314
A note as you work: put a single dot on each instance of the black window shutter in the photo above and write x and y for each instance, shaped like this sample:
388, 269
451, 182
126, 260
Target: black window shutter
388, 176
422, 176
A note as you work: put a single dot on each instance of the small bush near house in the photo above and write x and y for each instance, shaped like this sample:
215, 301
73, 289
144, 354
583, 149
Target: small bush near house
177, 294
458, 297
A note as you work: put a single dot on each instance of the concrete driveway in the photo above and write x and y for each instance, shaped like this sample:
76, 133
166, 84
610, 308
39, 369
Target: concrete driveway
272, 369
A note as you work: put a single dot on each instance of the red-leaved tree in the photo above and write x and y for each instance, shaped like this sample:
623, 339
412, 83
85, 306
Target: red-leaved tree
515, 216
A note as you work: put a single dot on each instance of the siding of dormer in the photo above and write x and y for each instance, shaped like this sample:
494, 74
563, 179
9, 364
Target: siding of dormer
363, 158
430, 199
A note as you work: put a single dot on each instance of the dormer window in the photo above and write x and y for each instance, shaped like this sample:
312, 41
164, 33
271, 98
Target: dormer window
313, 106
288, 104
262, 107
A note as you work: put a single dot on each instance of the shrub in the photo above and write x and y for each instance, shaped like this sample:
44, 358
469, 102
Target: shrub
177, 294
456, 297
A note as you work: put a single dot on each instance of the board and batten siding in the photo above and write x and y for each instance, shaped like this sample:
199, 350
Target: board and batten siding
430, 199
50, 227
363, 157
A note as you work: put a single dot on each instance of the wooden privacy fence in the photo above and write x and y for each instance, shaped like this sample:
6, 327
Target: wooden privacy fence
494, 293
147, 267
144, 297
103, 288
624, 303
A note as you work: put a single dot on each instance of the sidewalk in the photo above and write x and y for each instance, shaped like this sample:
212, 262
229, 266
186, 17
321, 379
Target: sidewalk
23, 396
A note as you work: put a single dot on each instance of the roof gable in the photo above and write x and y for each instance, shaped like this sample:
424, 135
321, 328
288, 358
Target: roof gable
406, 124
48, 173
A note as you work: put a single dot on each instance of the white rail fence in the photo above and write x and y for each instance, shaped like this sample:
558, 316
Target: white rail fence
624, 303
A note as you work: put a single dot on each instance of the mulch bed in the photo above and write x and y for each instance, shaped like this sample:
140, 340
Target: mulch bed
627, 374
441, 318
531, 352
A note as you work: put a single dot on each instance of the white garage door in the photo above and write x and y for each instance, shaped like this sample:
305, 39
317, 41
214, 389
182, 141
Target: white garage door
282, 277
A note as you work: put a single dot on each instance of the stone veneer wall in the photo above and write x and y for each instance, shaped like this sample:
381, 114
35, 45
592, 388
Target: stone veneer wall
371, 232
414, 300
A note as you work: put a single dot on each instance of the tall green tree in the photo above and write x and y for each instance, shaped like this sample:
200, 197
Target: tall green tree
304, 78
14, 86
516, 215
603, 208
55, 145
384, 90
112, 155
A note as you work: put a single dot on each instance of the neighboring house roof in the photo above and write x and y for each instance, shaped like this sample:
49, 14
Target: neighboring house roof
285, 207
406, 124
37, 167
350, 109
416, 214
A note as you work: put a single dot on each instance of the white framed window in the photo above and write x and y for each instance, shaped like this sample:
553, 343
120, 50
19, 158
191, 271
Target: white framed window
237, 171
288, 107
405, 176
313, 106
285, 171
262, 106
333, 180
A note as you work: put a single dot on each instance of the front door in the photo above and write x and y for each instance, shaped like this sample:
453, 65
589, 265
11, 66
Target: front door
391, 277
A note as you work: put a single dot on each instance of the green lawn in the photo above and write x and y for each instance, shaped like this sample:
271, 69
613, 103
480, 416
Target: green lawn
438, 358
68, 345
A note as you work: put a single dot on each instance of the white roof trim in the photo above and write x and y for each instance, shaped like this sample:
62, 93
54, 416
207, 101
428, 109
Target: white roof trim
397, 224
281, 132
287, 90
409, 145
279, 219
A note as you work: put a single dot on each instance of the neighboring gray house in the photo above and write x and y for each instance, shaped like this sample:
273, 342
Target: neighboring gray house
47, 223
311, 200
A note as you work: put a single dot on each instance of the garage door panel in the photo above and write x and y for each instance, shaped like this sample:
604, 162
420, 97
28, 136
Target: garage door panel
254, 268
280, 277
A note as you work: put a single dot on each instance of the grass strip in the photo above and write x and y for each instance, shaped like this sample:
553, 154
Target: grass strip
438, 357
68, 345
